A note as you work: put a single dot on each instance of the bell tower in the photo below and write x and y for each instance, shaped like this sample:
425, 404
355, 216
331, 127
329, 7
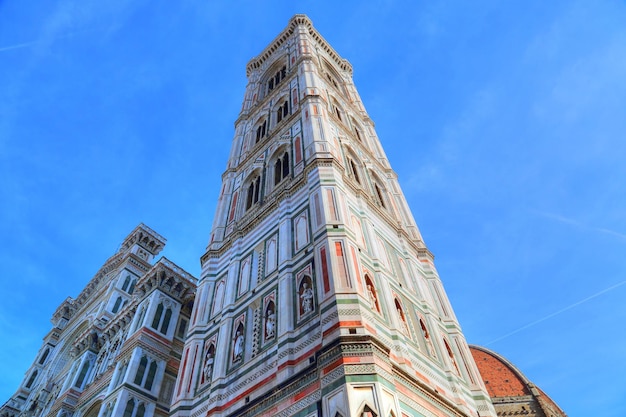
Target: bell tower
318, 296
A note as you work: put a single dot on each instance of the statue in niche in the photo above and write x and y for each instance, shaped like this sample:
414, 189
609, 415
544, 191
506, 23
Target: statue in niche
207, 370
270, 324
372, 297
429, 343
402, 319
238, 345
306, 298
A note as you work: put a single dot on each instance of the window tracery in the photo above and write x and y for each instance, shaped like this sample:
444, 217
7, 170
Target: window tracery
254, 191
143, 378
276, 79
261, 131
282, 111
162, 317
281, 168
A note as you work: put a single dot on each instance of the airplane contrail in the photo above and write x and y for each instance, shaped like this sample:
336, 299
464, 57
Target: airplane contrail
569, 307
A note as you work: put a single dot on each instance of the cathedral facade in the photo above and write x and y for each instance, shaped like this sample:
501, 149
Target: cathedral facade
112, 351
317, 296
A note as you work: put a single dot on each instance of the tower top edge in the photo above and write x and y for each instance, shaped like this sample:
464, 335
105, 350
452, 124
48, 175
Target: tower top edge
294, 22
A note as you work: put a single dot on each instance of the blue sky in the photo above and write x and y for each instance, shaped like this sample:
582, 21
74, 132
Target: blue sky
505, 122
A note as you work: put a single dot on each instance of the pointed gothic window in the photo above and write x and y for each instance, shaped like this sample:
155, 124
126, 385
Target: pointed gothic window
44, 356
368, 412
354, 170
129, 284
83, 373
141, 370
261, 131
282, 111
276, 78
126, 282
253, 192
143, 378
117, 305
31, 380
161, 321
130, 407
281, 168
451, 357
151, 373
401, 316
379, 196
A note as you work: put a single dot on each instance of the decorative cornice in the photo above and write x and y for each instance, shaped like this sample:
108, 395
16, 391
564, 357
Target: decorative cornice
297, 20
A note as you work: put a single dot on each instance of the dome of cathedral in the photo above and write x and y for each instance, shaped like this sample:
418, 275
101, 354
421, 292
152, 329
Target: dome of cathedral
510, 391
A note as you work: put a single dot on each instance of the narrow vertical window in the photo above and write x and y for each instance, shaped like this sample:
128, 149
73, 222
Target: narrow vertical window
131, 289
141, 370
31, 379
157, 316
379, 195
82, 375
117, 305
355, 172
151, 374
278, 169
44, 356
130, 407
285, 165
126, 283
166, 321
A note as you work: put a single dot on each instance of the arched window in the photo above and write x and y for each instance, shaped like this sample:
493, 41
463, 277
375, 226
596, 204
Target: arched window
151, 374
281, 168
83, 373
358, 133
139, 318
451, 356
282, 111
333, 78
142, 378
44, 356
130, 407
261, 131
379, 195
129, 284
141, 370
117, 305
133, 409
276, 79
253, 192
161, 321
401, 316
368, 412
427, 339
126, 282
31, 380
337, 111
354, 171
